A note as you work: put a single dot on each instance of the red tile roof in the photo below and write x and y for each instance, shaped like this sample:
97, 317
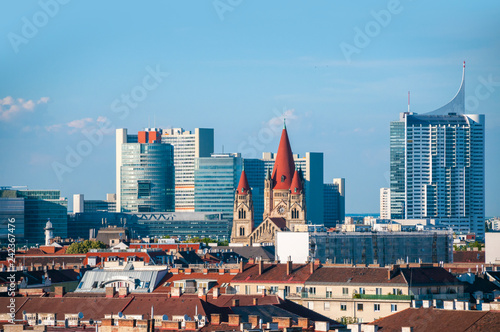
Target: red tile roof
296, 187
469, 256
438, 320
274, 273
243, 186
354, 275
284, 165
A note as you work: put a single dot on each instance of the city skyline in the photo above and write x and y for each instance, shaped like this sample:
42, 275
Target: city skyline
229, 73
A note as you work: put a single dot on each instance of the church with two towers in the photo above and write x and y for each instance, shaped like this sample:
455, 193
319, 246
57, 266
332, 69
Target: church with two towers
284, 201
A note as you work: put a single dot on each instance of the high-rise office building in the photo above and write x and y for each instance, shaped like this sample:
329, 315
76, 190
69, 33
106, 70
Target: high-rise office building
334, 202
187, 147
144, 171
31, 210
311, 166
385, 203
437, 166
215, 179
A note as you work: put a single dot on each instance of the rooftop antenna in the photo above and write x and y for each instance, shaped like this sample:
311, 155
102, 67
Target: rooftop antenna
408, 101
154, 120
149, 121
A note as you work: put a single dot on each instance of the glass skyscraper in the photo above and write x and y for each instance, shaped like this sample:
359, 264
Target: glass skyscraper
145, 172
216, 179
437, 166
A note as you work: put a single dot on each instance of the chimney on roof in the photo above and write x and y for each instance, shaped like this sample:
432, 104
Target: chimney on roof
254, 320
216, 292
233, 320
59, 291
264, 292
311, 267
251, 260
241, 265
215, 319
289, 266
236, 303
303, 322
255, 301
110, 291
122, 291
176, 291
261, 266
202, 294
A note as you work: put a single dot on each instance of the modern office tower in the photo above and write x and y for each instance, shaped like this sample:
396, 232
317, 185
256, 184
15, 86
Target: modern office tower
437, 166
334, 202
215, 179
11, 216
187, 147
312, 170
95, 205
385, 203
39, 207
144, 171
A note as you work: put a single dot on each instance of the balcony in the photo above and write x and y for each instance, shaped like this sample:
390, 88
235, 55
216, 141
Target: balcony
383, 297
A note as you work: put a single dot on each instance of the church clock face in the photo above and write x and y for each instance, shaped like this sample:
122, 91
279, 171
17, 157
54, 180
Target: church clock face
281, 210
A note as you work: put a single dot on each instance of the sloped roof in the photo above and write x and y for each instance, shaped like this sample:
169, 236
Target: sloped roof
274, 273
284, 165
469, 256
243, 186
279, 222
353, 275
296, 187
439, 320
429, 276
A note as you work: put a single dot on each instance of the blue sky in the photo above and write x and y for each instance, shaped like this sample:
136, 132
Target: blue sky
236, 66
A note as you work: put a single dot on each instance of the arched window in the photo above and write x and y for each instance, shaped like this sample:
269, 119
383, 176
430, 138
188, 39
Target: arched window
242, 214
295, 214
242, 231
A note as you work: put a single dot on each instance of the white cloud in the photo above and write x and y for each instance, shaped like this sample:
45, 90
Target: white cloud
81, 125
278, 120
10, 107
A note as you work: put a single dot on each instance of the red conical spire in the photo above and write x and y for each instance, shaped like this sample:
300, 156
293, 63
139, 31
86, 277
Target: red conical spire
284, 165
243, 186
296, 187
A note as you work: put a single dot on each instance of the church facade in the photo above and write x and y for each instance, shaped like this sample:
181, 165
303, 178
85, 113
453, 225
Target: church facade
284, 201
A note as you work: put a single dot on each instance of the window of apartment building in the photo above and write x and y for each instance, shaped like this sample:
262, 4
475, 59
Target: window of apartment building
260, 288
287, 290
310, 305
394, 307
376, 307
345, 291
328, 292
361, 290
273, 290
397, 291
312, 290
237, 289
343, 307
298, 289
247, 289
378, 291
327, 306
360, 306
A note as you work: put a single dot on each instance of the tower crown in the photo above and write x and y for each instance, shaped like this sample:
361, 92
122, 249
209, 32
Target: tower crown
284, 165
296, 187
243, 186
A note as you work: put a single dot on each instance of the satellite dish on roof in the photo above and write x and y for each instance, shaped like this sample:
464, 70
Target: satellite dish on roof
187, 318
91, 321
24, 312
199, 317
80, 315
120, 314
164, 318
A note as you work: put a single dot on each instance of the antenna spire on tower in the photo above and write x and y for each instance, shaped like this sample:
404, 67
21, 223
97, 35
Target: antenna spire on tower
408, 101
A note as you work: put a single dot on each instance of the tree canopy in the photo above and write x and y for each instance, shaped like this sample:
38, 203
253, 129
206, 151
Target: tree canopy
84, 247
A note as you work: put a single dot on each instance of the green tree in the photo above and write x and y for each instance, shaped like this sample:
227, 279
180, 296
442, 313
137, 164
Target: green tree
84, 247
